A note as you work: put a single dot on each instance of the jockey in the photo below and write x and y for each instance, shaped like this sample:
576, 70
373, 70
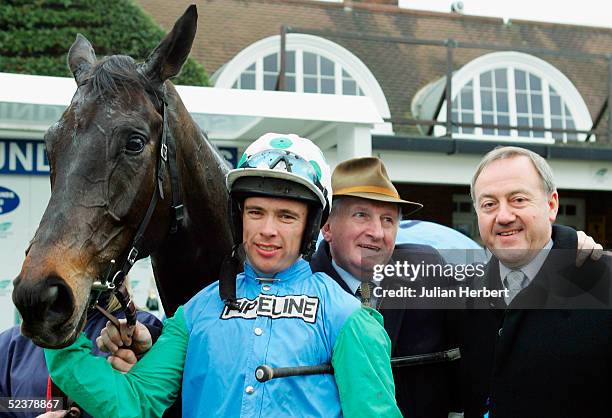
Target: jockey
277, 312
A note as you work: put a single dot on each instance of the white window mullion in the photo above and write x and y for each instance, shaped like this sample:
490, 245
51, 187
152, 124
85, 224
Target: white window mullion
259, 84
299, 71
546, 107
512, 102
494, 96
318, 72
338, 78
477, 103
563, 118
460, 129
529, 112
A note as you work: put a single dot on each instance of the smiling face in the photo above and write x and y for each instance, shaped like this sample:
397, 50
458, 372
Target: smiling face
515, 215
272, 232
361, 233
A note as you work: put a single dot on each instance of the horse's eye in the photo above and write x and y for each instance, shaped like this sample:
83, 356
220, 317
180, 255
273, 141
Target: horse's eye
135, 143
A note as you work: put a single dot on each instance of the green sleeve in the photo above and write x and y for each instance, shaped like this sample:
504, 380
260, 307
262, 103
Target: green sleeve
362, 367
149, 388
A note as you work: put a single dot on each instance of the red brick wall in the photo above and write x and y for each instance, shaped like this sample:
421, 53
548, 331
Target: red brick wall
383, 2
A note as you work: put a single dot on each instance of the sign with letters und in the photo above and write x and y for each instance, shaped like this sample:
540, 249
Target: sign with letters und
23, 157
28, 157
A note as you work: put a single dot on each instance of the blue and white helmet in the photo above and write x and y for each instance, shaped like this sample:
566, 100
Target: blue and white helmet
288, 157
283, 165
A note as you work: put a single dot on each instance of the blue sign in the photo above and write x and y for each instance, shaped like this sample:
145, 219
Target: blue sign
29, 157
23, 157
8, 200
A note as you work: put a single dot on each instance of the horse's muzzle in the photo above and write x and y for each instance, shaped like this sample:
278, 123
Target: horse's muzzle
45, 306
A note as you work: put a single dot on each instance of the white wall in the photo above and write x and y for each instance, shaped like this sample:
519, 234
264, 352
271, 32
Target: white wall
16, 230
19, 226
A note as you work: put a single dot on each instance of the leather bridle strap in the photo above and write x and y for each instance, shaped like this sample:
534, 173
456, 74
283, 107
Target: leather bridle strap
167, 155
117, 283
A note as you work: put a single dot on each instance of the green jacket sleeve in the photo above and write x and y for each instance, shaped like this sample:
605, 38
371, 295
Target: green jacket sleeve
149, 388
362, 367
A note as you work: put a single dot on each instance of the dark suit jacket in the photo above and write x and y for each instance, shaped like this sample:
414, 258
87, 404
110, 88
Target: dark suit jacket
421, 391
520, 362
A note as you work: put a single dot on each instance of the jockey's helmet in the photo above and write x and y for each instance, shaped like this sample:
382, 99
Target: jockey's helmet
286, 166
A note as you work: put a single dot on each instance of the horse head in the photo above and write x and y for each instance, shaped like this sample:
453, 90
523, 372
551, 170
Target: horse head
103, 155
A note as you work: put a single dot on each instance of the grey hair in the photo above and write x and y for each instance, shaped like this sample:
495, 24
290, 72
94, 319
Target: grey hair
501, 153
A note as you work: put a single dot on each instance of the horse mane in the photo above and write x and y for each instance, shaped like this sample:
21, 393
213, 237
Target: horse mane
118, 73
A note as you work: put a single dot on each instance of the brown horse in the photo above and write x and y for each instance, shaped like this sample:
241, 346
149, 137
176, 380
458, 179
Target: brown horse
105, 170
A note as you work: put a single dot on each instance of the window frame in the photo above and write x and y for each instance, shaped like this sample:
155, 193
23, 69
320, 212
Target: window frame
343, 60
511, 61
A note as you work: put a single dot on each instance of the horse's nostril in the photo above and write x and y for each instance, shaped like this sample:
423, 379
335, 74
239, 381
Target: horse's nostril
45, 303
59, 303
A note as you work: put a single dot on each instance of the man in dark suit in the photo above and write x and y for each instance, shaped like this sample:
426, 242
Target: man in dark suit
359, 234
541, 350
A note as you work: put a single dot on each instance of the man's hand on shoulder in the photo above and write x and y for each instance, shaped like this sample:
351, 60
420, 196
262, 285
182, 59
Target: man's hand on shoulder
587, 247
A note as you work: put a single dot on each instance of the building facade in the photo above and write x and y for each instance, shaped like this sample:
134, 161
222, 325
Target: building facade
363, 78
539, 85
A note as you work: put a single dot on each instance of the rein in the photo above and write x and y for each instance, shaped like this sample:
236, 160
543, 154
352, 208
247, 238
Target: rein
114, 279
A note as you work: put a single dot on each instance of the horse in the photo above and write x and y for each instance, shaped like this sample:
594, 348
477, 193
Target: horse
123, 151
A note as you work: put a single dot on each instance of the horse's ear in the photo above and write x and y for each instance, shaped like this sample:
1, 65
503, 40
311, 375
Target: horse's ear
80, 58
170, 55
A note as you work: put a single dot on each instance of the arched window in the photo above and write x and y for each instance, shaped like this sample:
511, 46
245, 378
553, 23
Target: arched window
313, 65
515, 89
317, 73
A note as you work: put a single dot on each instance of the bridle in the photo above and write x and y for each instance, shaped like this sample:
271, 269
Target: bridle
114, 279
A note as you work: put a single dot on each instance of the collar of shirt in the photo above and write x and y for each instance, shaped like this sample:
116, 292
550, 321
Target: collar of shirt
299, 269
531, 269
350, 280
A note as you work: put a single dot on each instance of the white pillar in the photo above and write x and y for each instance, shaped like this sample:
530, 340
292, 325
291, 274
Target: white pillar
353, 141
